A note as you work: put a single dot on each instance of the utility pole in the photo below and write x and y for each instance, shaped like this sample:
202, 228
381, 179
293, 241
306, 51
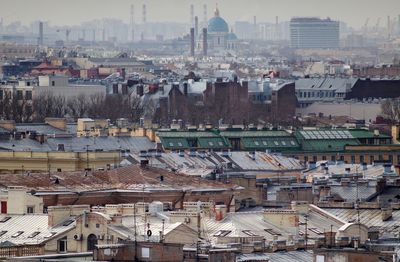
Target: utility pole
306, 237
135, 232
87, 157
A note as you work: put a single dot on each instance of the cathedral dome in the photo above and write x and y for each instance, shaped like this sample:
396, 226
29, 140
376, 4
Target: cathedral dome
217, 24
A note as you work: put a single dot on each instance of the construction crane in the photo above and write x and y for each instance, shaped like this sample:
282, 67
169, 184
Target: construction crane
378, 21
366, 25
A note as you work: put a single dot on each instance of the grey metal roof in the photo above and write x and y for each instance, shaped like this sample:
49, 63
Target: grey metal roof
28, 224
349, 193
41, 128
134, 144
337, 84
299, 256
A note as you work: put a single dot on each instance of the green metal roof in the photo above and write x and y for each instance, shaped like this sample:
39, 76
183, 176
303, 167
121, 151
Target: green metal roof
256, 133
362, 133
174, 143
283, 143
186, 134
212, 142
328, 145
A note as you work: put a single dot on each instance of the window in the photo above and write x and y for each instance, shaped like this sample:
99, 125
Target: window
314, 158
2, 232
17, 234
222, 233
28, 95
324, 158
53, 83
333, 158
171, 144
179, 144
62, 245
353, 159
146, 250
305, 158
276, 143
1, 94
220, 143
30, 209
283, 143
265, 143
249, 233
361, 159
5, 219
210, 143
34, 234
293, 143
371, 159
97, 225
380, 157
390, 158
272, 232
256, 143
19, 95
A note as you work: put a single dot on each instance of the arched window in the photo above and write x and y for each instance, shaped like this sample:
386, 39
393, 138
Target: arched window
91, 242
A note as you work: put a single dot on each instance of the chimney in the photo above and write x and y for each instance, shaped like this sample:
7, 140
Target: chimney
220, 212
364, 166
192, 42
347, 170
322, 166
311, 165
397, 169
205, 43
185, 89
386, 213
376, 132
326, 170
387, 168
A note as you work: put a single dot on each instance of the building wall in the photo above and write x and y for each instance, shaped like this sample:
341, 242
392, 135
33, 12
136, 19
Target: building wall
30, 161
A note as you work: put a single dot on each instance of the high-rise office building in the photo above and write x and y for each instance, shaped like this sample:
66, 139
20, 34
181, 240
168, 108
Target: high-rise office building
311, 32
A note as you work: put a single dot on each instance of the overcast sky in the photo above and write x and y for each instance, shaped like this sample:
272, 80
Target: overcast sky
72, 12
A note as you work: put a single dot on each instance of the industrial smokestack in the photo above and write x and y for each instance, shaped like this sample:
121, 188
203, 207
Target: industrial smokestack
196, 26
40, 40
205, 41
192, 42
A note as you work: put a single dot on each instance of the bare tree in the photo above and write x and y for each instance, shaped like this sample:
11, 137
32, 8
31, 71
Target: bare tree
391, 109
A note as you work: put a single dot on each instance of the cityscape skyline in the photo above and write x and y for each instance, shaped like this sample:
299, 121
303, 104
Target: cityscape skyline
167, 11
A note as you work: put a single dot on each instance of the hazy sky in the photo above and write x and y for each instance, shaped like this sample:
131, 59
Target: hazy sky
72, 12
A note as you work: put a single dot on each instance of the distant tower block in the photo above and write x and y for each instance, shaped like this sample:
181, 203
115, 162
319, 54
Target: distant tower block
255, 26
83, 34
94, 35
132, 23
191, 15
192, 42
196, 26
205, 19
40, 40
388, 27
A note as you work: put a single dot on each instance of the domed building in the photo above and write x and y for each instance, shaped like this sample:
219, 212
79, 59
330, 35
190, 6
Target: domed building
218, 36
